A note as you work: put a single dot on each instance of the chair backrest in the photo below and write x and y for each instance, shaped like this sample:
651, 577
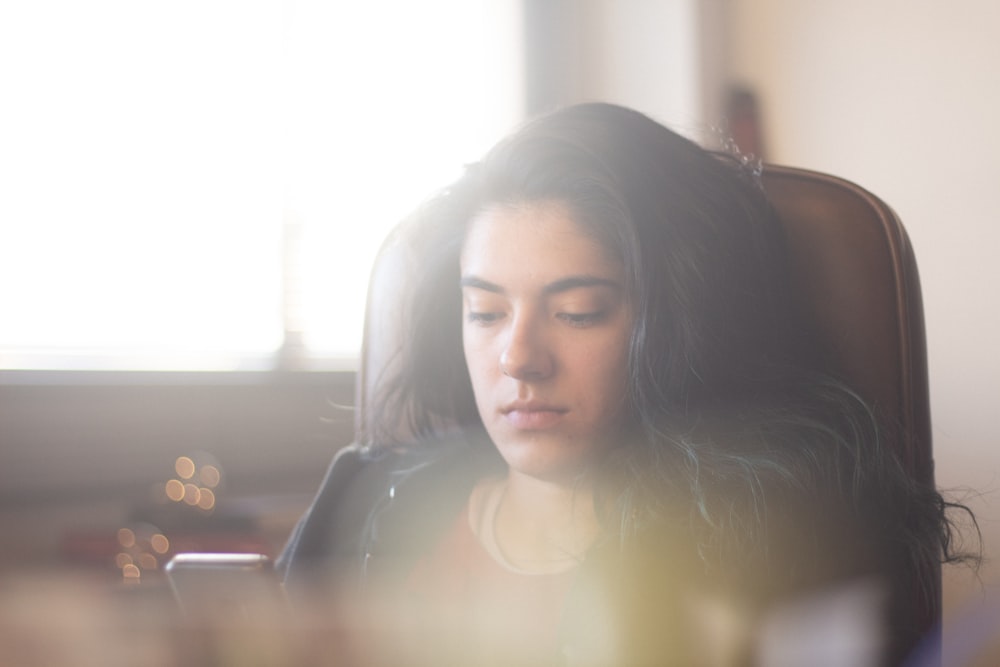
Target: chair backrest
858, 275
856, 271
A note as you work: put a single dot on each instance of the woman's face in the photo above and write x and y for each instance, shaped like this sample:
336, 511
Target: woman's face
546, 325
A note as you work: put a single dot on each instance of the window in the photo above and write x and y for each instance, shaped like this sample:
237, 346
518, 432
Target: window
193, 185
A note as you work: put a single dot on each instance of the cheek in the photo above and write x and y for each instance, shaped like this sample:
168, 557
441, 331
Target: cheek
476, 360
609, 377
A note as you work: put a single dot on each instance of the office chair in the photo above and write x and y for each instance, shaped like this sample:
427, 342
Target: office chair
856, 271
858, 276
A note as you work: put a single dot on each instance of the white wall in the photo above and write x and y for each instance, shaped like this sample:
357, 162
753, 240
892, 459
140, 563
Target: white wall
903, 97
644, 53
657, 56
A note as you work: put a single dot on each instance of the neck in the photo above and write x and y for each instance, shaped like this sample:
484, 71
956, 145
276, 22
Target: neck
540, 521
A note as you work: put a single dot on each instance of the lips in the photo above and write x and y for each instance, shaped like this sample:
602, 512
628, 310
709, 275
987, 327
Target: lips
532, 415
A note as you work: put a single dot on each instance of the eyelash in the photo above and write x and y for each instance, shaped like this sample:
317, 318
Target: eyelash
578, 320
483, 319
581, 320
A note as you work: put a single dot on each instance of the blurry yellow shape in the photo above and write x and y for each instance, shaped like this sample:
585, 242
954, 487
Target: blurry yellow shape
210, 476
175, 490
160, 543
126, 538
207, 499
192, 494
123, 559
185, 467
131, 574
147, 561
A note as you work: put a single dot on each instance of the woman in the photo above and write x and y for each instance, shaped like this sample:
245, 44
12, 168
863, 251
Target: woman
603, 319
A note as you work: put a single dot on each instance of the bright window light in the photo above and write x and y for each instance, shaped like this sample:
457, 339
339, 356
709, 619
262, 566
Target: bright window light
183, 183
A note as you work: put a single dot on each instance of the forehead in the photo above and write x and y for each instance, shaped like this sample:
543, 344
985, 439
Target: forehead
540, 238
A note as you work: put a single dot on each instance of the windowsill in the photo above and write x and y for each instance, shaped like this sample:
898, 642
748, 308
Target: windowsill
292, 363
172, 378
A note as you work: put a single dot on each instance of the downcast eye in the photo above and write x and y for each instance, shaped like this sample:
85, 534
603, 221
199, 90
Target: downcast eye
581, 319
483, 318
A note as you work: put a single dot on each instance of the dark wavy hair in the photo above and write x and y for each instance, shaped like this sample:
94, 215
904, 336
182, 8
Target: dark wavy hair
737, 434
704, 257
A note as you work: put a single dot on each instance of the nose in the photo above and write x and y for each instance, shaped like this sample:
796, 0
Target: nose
526, 355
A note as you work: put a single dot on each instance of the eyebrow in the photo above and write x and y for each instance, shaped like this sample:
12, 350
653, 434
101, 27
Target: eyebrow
561, 285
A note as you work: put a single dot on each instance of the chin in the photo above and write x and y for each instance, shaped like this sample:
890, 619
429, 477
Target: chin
543, 458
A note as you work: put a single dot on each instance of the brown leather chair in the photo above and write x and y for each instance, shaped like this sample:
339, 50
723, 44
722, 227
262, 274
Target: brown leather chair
855, 268
858, 275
